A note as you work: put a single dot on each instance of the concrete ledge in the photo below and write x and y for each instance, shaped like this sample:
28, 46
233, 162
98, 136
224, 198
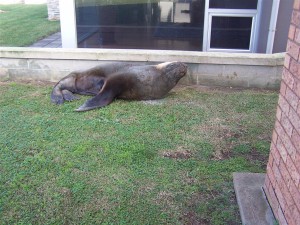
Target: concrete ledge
205, 68
253, 205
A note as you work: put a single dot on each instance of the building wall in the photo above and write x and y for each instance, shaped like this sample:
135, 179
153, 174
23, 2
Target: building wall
282, 27
282, 185
205, 68
263, 31
53, 9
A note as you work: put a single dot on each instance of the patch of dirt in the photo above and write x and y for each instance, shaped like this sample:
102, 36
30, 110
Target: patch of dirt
227, 136
99, 203
65, 192
256, 156
221, 136
1, 11
191, 218
190, 215
177, 154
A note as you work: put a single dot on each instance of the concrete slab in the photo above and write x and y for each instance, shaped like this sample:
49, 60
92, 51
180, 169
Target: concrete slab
253, 205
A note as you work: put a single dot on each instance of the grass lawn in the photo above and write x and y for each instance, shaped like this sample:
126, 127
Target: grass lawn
22, 25
132, 162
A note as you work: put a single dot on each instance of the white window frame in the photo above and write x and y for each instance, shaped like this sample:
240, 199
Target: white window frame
252, 13
68, 23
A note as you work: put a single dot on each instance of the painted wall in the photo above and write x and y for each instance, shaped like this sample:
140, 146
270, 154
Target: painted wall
282, 28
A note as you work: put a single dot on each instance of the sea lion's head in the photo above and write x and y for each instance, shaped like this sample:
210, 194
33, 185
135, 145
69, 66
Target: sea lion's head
173, 70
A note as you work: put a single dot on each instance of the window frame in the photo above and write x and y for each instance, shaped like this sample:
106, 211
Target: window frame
210, 12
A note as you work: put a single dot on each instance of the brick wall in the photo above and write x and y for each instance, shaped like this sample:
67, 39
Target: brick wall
282, 185
53, 9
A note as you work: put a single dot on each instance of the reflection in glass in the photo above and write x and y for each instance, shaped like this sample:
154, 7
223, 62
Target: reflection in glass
233, 4
140, 24
231, 32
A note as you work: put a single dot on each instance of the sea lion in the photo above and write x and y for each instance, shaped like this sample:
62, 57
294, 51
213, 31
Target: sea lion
119, 80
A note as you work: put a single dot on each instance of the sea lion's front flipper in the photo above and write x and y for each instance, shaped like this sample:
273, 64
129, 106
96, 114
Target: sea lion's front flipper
102, 99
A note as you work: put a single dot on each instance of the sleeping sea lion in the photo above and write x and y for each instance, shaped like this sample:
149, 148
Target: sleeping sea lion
119, 80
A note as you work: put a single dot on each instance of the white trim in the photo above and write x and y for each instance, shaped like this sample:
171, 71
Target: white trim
272, 28
257, 25
68, 23
205, 27
233, 11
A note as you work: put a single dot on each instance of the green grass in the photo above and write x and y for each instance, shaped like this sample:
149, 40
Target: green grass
169, 162
22, 25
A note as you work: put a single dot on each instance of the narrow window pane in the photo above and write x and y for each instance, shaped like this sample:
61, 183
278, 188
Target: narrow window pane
231, 32
140, 24
233, 4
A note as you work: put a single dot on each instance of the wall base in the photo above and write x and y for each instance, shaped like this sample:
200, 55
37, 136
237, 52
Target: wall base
205, 68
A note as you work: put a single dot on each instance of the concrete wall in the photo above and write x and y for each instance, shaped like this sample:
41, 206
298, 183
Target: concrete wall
213, 69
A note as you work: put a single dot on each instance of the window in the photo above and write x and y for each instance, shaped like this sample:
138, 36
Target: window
233, 4
140, 24
230, 32
231, 25
192, 25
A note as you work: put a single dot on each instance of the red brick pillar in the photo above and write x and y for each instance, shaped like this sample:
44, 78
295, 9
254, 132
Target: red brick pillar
282, 185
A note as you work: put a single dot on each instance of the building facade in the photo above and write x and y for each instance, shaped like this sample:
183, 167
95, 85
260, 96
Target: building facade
259, 26
282, 185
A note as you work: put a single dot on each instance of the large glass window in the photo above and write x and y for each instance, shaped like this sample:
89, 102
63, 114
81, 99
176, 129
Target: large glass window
233, 4
231, 25
140, 24
228, 32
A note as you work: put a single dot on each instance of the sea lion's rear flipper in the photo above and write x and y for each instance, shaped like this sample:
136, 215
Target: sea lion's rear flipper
57, 96
100, 100
69, 96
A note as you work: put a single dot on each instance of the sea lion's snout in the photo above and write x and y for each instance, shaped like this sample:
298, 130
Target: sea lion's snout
176, 69
182, 69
